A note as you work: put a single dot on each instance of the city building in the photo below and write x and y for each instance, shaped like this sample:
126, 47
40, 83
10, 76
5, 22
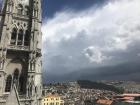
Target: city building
74, 94
20, 52
52, 99
104, 102
129, 97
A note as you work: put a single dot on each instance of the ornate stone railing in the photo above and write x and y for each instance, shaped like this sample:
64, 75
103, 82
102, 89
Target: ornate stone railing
13, 47
22, 97
21, 16
3, 99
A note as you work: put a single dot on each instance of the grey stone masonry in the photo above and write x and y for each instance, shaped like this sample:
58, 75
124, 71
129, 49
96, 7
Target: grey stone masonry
20, 51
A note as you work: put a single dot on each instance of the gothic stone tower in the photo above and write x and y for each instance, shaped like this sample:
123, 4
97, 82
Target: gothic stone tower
20, 50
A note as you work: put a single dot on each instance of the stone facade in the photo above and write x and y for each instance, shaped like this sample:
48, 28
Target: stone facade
20, 50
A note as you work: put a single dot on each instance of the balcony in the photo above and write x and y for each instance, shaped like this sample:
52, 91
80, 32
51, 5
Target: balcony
23, 17
18, 47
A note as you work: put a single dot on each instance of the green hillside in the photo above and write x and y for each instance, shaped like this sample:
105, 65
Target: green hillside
97, 85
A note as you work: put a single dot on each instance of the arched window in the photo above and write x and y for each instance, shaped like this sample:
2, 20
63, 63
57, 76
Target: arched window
16, 77
20, 9
20, 37
26, 40
21, 84
8, 83
26, 10
13, 36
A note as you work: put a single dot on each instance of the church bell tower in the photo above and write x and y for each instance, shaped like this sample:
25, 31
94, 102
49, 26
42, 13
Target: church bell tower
20, 50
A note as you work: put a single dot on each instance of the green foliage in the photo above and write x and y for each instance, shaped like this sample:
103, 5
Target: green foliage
97, 85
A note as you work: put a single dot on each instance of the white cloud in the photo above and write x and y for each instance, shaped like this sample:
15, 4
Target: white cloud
95, 54
114, 27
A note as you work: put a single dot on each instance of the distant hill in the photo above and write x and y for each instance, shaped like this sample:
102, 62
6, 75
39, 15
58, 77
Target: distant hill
97, 85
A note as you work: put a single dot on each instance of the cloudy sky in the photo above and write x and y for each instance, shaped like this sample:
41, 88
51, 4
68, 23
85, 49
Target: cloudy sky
91, 39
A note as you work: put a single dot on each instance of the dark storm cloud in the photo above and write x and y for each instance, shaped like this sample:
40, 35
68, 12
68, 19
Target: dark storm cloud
99, 44
127, 72
50, 7
1, 1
